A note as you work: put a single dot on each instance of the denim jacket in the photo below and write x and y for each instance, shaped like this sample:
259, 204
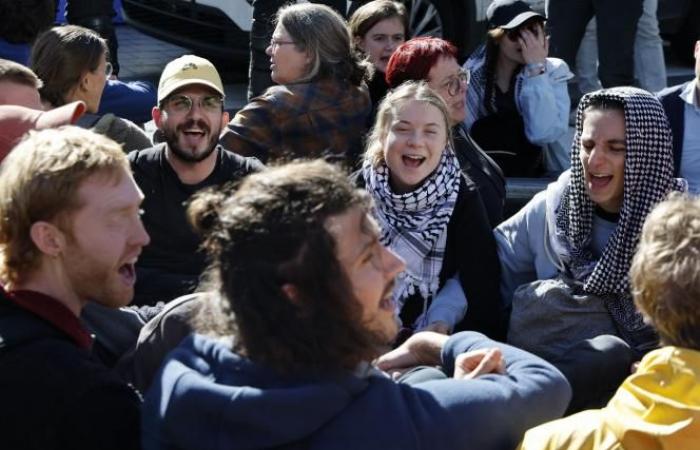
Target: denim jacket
543, 101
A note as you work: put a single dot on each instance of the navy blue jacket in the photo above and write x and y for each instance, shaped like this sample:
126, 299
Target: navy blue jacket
675, 112
206, 397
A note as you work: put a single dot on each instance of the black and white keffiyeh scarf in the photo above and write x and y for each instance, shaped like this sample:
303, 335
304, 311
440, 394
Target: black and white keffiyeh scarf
414, 224
648, 179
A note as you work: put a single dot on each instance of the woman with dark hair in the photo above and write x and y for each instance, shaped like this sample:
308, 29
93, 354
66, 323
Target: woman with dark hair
432, 216
518, 102
72, 63
377, 28
320, 107
566, 255
435, 61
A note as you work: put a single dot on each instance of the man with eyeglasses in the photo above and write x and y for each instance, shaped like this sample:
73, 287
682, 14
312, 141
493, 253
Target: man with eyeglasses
190, 116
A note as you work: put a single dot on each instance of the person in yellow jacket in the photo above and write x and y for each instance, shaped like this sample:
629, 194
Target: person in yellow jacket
657, 407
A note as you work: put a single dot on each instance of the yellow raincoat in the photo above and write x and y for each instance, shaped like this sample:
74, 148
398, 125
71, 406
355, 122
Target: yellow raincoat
657, 408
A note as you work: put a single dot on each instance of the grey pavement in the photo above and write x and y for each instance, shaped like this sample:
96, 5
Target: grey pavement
143, 57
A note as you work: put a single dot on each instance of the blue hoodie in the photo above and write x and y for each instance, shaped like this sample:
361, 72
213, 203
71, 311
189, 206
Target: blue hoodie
206, 397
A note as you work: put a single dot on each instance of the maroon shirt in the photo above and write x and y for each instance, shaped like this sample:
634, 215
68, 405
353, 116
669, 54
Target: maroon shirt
52, 311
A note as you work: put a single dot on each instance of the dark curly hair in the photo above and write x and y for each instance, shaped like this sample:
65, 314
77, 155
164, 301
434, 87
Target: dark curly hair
271, 232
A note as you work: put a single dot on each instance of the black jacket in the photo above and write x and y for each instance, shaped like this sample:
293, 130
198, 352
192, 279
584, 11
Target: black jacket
484, 172
674, 107
55, 395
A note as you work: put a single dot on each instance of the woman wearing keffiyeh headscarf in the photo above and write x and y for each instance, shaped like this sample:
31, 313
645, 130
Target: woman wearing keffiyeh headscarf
432, 216
584, 229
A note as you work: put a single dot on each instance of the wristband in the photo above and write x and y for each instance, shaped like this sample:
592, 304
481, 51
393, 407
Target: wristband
534, 69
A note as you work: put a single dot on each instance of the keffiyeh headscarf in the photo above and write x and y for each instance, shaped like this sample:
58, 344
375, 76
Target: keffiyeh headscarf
414, 224
648, 179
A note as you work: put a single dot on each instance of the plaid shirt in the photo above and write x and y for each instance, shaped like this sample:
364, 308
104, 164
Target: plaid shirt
325, 118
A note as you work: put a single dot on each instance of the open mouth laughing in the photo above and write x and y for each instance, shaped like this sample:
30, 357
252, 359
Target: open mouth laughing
413, 161
127, 271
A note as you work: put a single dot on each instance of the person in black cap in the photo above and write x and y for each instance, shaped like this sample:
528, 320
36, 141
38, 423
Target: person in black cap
617, 27
516, 88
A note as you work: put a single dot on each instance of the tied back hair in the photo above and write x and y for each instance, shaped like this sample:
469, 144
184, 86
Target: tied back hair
271, 233
203, 209
61, 56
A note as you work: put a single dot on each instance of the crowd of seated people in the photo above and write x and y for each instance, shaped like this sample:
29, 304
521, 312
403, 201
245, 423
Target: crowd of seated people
331, 267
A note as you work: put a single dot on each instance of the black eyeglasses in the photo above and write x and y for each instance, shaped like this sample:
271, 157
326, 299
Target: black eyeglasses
514, 34
454, 84
182, 104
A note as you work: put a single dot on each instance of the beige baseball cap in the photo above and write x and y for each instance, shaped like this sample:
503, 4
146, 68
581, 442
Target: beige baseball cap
186, 70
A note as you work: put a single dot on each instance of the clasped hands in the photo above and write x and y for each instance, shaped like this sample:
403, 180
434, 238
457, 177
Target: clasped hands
425, 348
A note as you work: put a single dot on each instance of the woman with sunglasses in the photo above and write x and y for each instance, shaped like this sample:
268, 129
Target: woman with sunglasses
434, 60
518, 103
320, 106
72, 63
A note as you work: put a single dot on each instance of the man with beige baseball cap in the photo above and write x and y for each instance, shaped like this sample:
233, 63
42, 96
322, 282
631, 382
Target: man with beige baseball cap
185, 70
190, 116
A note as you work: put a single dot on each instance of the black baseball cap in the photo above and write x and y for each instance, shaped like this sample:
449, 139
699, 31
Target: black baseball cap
509, 14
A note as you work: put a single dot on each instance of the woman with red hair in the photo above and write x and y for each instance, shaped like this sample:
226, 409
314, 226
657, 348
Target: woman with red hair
435, 61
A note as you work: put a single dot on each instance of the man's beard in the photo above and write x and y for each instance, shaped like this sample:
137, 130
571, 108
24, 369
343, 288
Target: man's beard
93, 279
171, 138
